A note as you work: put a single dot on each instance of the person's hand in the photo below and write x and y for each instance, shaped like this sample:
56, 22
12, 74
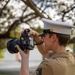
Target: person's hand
31, 32
24, 62
24, 54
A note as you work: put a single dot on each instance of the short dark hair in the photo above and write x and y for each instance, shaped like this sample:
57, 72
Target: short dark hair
62, 38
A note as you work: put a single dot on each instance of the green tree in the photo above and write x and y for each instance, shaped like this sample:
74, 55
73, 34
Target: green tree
15, 12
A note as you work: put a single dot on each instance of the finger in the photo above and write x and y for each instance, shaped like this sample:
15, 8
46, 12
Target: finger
27, 29
18, 48
31, 33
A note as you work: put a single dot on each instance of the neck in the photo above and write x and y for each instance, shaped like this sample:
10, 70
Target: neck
59, 49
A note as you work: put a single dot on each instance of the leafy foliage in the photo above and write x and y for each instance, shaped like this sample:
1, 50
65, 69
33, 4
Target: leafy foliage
15, 12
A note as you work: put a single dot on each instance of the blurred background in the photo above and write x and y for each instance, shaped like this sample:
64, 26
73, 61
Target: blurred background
16, 15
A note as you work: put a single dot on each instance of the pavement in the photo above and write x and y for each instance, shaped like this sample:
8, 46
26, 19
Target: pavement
12, 67
9, 68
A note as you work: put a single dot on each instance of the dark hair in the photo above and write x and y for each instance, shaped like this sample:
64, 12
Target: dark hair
62, 38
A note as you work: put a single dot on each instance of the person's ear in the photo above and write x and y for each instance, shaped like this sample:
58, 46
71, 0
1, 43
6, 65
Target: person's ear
54, 37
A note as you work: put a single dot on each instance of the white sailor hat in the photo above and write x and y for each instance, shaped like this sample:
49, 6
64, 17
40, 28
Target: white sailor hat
56, 27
